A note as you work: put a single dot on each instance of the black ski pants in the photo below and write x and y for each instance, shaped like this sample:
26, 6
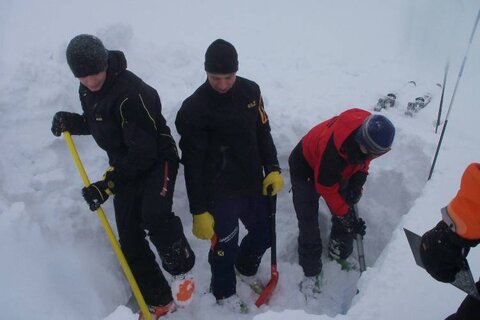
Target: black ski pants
146, 205
225, 255
306, 205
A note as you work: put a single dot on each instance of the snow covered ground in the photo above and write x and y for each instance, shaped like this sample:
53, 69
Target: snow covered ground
312, 59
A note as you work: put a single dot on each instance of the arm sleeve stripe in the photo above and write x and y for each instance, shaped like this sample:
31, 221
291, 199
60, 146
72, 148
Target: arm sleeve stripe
148, 113
121, 112
261, 110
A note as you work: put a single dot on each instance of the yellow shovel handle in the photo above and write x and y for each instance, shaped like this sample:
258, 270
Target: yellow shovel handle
108, 230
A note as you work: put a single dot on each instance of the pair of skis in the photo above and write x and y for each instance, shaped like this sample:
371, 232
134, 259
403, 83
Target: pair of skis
420, 102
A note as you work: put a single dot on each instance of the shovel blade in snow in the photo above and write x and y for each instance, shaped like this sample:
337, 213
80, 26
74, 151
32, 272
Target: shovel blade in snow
269, 288
463, 279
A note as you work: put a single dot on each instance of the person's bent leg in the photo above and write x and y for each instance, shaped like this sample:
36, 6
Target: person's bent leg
305, 203
256, 219
165, 229
223, 253
140, 258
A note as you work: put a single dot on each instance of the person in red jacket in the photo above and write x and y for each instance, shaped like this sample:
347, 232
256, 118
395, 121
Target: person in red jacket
332, 161
444, 248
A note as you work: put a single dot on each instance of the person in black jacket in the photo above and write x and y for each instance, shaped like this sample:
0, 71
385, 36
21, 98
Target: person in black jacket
230, 161
123, 114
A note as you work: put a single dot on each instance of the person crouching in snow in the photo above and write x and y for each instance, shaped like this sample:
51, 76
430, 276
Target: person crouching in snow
332, 161
443, 249
123, 114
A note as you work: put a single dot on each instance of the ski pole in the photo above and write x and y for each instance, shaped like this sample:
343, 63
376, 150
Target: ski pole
441, 97
108, 230
454, 93
361, 252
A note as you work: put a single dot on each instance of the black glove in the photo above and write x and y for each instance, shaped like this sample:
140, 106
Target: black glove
68, 121
351, 224
353, 196
96, 194
443, 252
355, 187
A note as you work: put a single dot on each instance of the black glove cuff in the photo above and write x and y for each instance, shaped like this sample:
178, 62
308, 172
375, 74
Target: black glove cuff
115, 181
357, 180
347, 220
455, 238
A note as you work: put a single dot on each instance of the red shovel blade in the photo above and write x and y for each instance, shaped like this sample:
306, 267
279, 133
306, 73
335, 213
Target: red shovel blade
268, 291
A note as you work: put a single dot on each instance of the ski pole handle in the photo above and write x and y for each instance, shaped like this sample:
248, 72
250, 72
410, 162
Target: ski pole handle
108, 230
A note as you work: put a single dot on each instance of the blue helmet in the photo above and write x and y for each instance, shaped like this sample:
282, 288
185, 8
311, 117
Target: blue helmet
376, 134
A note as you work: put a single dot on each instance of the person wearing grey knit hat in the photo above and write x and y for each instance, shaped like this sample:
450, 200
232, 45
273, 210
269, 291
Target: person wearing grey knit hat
124, 116
86, 55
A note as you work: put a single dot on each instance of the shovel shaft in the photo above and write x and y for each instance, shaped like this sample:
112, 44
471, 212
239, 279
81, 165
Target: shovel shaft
273, 229
361, 252
272, 284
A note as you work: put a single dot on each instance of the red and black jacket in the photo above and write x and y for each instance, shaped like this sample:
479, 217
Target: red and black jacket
331, 151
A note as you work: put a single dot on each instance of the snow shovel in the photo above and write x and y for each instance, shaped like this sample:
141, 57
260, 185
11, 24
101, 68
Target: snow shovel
463, 279
272, 284
361, 252
108, 230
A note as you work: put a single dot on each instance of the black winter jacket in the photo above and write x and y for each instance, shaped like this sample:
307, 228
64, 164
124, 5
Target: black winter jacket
226, 143
125, 120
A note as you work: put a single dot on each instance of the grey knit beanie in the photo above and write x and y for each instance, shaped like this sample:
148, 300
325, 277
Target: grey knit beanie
86, 55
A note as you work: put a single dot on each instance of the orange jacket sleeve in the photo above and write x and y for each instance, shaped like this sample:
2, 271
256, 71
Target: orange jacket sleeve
462, 214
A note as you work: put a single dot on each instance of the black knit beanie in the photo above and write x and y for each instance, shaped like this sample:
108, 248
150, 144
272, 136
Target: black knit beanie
86, 55
221, 58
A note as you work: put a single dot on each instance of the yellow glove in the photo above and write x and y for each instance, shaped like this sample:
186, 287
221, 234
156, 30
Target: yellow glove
203, 225
275, 180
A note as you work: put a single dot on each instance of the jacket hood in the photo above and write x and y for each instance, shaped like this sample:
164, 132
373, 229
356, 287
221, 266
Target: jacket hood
117, 63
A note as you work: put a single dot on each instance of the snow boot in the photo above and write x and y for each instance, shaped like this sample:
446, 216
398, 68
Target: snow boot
345, 264
234, 304
340, 251
311, 286
252, 281
159, 311
183, 287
